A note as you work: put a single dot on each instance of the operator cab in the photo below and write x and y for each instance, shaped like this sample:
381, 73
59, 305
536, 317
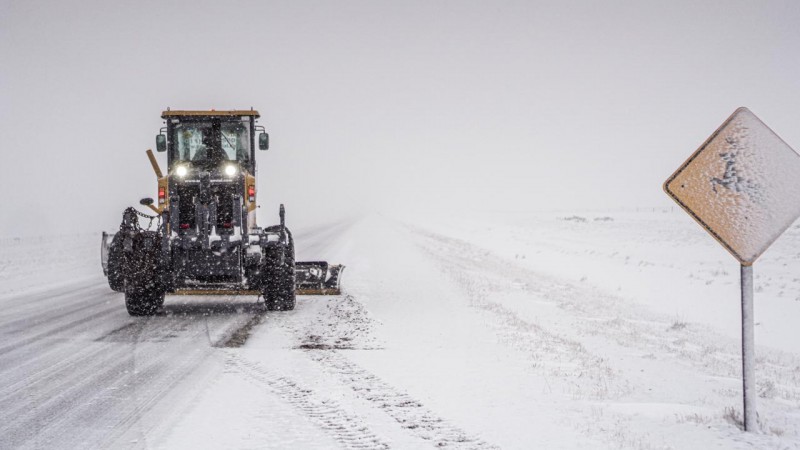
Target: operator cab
210, 139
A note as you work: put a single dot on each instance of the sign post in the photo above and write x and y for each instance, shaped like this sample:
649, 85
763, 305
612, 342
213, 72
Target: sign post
741, 185
748, 350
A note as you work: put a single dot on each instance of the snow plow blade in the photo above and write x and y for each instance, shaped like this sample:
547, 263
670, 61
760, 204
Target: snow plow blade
317, 278
105, 248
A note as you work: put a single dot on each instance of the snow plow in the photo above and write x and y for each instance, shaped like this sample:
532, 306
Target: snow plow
202, 238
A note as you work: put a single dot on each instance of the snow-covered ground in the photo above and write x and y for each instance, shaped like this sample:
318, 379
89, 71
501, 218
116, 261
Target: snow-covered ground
601, 330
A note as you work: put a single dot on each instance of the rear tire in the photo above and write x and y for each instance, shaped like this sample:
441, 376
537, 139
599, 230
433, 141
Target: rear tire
144, 291
279, 294
143, 303
116, 259
287, 291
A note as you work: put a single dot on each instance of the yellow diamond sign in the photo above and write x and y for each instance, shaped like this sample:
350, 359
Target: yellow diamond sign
742, 185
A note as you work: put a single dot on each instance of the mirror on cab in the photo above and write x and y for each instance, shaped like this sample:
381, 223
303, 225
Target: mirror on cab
146, 201
161, 143
263, 141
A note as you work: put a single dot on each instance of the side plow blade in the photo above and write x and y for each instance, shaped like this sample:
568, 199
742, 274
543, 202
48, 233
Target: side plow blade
105, 249
317, 278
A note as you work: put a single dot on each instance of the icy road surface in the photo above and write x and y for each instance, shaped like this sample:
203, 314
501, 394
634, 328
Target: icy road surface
524, 333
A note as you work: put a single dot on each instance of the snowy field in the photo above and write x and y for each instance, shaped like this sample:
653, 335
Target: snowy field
573, 330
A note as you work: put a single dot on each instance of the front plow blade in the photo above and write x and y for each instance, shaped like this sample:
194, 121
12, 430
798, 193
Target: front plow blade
317, 278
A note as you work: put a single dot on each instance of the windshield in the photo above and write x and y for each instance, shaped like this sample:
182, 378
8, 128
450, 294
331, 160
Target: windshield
202, 141
236, 140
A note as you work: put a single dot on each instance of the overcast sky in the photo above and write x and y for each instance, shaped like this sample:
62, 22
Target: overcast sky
373, 105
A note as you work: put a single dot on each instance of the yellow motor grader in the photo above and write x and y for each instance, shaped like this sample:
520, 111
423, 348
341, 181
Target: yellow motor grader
203, 237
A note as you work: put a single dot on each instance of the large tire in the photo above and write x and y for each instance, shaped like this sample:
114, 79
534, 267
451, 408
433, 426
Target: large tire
116, 255
287, 285
144, 303
279, 292
144, 291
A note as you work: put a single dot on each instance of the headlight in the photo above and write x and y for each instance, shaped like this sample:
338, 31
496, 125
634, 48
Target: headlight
230, 170
181, 171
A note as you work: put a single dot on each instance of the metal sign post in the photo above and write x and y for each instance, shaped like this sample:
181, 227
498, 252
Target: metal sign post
748, 350
741, 186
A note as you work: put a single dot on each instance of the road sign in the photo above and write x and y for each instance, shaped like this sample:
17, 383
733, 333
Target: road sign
742, 185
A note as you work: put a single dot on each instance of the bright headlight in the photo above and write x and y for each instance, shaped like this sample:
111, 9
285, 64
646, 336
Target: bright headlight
181, 171
230, 170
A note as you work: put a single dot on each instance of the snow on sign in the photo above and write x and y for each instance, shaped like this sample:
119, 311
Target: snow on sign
742, 185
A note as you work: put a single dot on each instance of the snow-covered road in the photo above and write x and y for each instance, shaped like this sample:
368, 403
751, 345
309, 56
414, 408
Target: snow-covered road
438, 341
77, 371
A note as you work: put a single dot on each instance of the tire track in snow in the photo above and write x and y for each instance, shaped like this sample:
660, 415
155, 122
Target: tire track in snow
17, 305
345, 324
158, 378
104, 396
44, 370
408, 412
52, 327
346, 428
88, 377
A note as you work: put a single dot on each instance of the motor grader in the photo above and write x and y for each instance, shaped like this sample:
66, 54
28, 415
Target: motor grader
203, 238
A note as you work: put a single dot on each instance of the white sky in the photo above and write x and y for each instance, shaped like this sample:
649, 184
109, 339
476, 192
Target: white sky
412, 105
